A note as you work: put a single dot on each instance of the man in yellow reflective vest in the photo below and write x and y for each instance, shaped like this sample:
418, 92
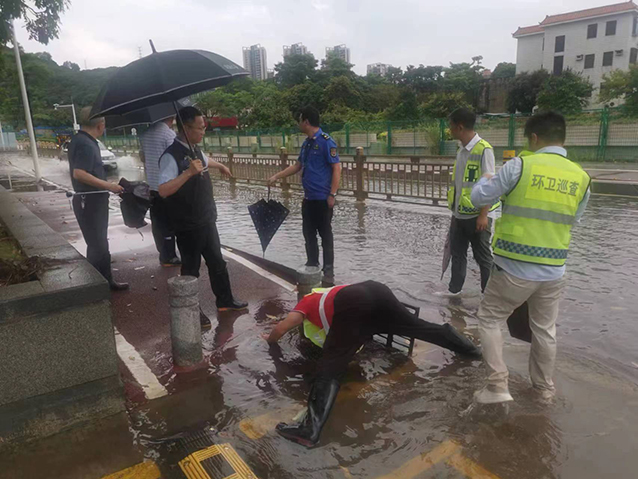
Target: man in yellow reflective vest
470, 224
340, 320
544, 195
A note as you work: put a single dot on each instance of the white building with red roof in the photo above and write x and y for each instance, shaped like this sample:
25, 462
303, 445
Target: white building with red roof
593, 42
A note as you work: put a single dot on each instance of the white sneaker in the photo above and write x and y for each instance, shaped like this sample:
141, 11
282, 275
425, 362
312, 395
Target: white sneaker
492, 395
446, 294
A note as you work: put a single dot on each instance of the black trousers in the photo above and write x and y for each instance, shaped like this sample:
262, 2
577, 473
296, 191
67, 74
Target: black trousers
162, 234
362, 310
92, 213
317, 218
463, 234
204, 241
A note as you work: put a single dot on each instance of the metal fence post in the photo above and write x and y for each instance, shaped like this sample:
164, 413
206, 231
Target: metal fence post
603, 134
442, 127
389, 147
347, 138
511, 134
360, 194
231, 165
283, 158
283, 137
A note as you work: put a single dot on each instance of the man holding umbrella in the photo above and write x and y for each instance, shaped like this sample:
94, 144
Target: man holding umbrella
91, 199
186, 187
321, 174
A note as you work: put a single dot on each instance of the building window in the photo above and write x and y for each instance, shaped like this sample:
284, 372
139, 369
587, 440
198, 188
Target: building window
610, 29
633, 56
592, 31
560, 44
608, 59
589, 61
635, 28
558, 65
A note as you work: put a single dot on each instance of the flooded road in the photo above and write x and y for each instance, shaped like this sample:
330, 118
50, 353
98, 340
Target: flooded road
398, 417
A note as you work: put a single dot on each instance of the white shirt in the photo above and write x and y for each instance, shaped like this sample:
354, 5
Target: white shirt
154, 142
168, 169
488, 165
485, 192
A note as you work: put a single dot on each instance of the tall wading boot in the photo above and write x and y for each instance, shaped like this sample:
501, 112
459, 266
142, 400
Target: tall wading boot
307, 431
220, 282
459, 343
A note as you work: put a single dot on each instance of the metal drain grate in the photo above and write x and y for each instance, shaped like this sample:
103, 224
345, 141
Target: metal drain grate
212, 462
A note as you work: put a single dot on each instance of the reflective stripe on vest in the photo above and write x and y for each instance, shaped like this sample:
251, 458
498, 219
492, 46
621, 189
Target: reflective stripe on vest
538, 214
471, 175
313, 332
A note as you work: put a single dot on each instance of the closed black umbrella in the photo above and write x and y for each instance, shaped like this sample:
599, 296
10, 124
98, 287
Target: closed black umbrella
267, 217
164, 77
136, 200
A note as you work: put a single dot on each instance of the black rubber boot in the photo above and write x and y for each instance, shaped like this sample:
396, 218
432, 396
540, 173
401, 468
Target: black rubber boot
459, 343
322, 397
220, 283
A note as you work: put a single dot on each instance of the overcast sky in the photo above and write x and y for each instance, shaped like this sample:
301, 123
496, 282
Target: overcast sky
400, 32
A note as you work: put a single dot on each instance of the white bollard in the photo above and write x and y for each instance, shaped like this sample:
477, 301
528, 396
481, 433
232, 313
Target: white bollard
186, 330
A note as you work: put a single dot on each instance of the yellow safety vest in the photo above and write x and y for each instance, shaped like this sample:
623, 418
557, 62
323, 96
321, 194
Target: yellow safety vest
471, 175
538, 214
313, 332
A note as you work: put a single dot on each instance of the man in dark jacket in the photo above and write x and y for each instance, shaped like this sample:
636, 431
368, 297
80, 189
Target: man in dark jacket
188, 191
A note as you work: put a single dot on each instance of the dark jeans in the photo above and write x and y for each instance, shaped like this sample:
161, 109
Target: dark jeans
204, 241
92, 213
317, 218
362, 310
463, 234
162, 234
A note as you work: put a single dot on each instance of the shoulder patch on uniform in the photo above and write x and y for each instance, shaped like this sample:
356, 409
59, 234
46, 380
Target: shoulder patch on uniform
333, 152
325, 136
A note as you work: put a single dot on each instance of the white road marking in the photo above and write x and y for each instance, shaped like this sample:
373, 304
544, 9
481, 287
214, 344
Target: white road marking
260, 271
140, 371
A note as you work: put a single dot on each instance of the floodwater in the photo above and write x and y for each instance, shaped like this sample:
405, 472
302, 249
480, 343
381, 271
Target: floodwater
395, 415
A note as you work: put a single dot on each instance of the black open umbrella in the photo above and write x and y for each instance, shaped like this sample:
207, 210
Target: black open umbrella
164, 77
267, 216
146, 116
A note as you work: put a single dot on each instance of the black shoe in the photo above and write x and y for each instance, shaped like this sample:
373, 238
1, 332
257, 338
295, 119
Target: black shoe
171, 262
204, 321
233, 305
459, 343
322, 397
115, 286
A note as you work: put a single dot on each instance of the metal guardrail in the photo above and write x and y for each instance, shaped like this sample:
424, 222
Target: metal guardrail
418, 178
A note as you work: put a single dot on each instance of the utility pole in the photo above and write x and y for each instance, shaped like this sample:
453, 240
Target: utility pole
25, 101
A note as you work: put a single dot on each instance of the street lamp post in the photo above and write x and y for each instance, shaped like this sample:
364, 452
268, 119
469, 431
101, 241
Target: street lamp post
25, 101
76, 127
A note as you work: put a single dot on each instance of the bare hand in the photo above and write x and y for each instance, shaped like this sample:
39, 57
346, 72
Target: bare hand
196, 167
225, 171
272, 180
481, 223
331, 202
265, 336
115, 188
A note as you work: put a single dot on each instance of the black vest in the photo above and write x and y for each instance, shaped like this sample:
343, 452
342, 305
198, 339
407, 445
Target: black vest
193, 205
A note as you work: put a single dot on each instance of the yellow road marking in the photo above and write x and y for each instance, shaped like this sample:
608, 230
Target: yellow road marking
192, 465
143, 470
469, 468
423, 462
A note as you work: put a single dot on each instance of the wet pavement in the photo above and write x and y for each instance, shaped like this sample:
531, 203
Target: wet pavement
395, 417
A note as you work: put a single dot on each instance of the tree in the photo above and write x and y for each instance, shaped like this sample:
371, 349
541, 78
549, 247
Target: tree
306, 94
41, 18
465, 78
407, 107
440, 105
568, 93
621, 86
525, 89
71, 66
504, 70
423, 79
394, 75
295, 70
333, 66
342, 91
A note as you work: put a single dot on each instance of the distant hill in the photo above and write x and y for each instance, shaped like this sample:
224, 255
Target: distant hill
47, 83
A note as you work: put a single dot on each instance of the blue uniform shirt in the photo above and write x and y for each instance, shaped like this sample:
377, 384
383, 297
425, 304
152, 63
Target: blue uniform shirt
317, 156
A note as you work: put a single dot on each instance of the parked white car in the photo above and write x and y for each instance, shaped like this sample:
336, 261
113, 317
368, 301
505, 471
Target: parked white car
108, 157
